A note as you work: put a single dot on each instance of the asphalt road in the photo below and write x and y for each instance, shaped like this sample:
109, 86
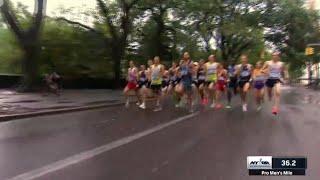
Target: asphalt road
131, 144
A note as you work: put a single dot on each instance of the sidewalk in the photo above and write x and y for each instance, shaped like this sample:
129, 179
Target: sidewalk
12, 102
310, 96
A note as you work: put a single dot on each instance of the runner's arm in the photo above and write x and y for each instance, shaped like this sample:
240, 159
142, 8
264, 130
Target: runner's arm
205, 69
192, 68
228, 77
226, 74
162, 70
127, 75
254, 74
237, 70
265, 67
252, 71
149, 74
139, 74
136, 72
175, 71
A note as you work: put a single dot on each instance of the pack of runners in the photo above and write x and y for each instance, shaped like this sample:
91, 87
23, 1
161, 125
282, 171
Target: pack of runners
209, 80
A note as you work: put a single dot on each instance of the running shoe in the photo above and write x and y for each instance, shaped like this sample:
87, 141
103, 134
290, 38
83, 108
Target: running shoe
157, 109
175, 97
158, 104
206, 101
181, 104
127, 104
203, 102
275, 110
213, 105
259, 108
218, 106
228, 107
193, 103
244, 108
142, 106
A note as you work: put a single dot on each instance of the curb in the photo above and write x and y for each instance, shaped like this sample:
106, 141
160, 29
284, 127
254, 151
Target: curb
56, 111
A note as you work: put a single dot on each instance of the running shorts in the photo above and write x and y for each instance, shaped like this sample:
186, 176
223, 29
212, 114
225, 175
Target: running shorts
142, 83
200, 82
175, 82
207, 83
271, 82
243, 81
131, 85
233, 82
221, 85
259, 85
165, 84
148, 84
156, 88
187, 84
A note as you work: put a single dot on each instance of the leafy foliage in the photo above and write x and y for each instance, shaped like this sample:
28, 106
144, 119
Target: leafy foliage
138, 30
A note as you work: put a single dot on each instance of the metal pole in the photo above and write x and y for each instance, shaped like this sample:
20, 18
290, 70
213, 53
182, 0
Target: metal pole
310, 73
36, 7
318, 68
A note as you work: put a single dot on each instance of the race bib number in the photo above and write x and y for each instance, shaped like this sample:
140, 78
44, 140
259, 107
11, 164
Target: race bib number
212, 77
212, 71
201, 77
245, 73
184, 72
260, 78
156, 81
173, 78
274, 73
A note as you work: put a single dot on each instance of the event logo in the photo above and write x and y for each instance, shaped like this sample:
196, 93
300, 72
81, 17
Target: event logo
259, 162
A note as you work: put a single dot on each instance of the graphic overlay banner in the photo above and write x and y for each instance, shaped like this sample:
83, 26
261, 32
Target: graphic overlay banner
276, 166
259, 162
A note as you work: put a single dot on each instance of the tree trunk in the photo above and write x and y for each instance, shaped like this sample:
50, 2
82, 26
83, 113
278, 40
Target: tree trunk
207, 46
224, 55
117, 57
31, 50
160, 50
28, 41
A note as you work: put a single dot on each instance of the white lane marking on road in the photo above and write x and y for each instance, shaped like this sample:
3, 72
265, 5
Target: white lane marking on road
58, 165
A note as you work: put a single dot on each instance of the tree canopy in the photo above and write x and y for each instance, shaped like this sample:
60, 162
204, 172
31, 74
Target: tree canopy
138, 30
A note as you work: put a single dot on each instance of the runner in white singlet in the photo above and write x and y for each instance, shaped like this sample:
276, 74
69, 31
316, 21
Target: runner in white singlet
275, 68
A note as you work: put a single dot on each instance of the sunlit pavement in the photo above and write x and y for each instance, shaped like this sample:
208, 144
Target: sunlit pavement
132, 144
